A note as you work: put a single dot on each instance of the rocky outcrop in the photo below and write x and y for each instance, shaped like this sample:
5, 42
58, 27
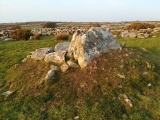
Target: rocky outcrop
39, 54
87, 46
62, 46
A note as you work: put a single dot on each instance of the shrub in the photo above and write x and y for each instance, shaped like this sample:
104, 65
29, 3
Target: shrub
49, 25
21, 34
137, 26
62, 36
14, 27
95, 24
36, 36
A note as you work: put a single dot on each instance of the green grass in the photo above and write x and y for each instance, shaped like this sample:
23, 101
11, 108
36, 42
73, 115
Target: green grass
33, 26
12, 52
151, 45
63, 98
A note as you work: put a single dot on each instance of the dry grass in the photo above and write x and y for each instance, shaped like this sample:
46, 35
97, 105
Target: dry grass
62, 36
36, 36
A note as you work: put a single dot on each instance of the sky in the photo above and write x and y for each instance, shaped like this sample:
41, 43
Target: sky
79, 10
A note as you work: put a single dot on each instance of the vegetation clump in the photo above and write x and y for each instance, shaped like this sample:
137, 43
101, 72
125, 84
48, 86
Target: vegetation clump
138, 25
14, 27
62, 36
49, 25
19, 33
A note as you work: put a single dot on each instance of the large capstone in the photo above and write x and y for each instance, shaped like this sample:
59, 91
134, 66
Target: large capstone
85, 47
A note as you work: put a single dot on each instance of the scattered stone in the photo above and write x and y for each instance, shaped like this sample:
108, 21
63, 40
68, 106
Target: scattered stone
7, 93
31, 38
72, 64
76, 117
39, 54
51, 73
62, 46
149, 85
121, 76
121, 66
24, 60
8, 39
146, 35
85, 47
127, 100
56, 57
64, 67
125, 34
145, 73
16, 65
144, 49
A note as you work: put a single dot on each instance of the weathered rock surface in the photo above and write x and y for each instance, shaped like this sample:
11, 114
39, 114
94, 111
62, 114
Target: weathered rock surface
56, 57
39, 54
89, 45
7, 93
72, 64
64, 67
52, 72
62, 46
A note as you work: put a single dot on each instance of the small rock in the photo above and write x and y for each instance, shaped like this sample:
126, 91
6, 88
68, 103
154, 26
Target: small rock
7, 93
64, 67
121, 76
121, 66
120, 86
24, 60
149, 85
51, 73
127, 100
76, 117
16, 65
72, 64
145, 73
144, 49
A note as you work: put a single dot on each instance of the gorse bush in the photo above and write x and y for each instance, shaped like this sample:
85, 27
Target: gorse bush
95, 24
21, 34
49, 25
62, 36
137, 26
14, 27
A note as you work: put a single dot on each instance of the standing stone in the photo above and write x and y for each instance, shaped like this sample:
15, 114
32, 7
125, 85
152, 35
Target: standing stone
62, 46
85, 47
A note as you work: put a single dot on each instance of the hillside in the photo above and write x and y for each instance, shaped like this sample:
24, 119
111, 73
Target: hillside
118, 85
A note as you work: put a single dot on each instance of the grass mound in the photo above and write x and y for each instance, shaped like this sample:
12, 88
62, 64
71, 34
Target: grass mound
94, 93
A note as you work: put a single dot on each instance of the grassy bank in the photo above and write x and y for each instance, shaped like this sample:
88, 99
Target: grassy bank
92, 94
